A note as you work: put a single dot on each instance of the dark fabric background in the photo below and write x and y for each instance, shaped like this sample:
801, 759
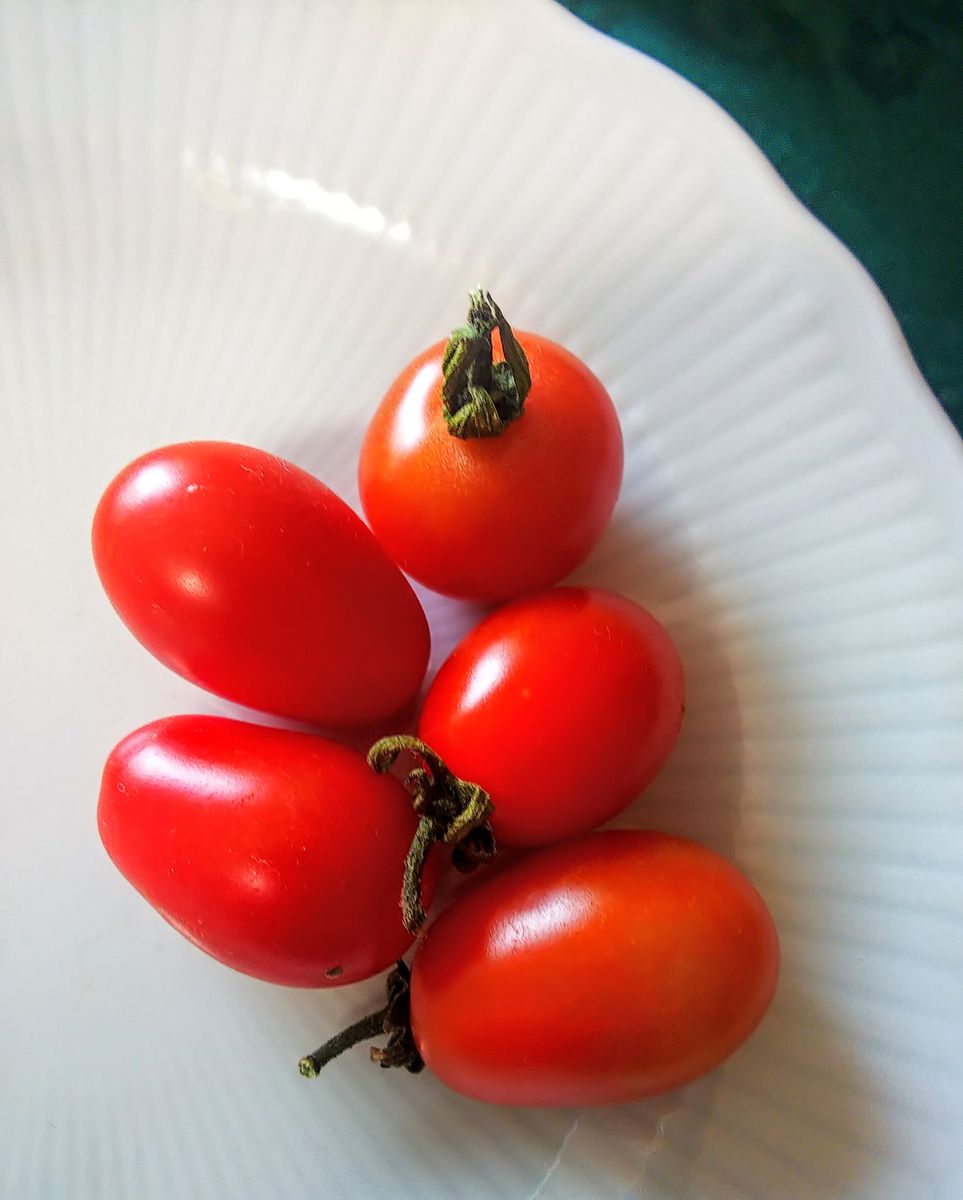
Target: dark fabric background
859, 105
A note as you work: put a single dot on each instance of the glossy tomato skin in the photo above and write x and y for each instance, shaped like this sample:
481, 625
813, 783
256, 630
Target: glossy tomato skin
487, 519
602, 970
562, 705
250, 578
278, 853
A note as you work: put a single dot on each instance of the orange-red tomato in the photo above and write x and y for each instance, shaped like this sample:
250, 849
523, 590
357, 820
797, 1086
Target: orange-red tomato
489, 518
562, 706
249, 577
601, 970
278, 853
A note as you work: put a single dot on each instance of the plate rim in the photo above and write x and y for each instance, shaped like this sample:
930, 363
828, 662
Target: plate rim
935, 433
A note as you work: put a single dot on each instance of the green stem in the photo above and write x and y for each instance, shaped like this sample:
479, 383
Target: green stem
451, 810
479, 396
412, 910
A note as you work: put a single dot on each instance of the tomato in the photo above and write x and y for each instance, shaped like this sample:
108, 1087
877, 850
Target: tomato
252, 579
275, 852
490, 517
562, 706
598, 971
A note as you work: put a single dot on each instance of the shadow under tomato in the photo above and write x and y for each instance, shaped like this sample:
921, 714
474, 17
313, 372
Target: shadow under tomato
790, 1115
697, 792
793, 1112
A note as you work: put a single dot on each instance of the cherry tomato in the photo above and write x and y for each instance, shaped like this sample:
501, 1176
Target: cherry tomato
275, 852
490, 517
562, 706
252, 579
598, 971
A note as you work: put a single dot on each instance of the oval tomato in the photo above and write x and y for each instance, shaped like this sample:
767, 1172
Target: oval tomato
252, 579
275, 852
598, 971
562, 706
491, 517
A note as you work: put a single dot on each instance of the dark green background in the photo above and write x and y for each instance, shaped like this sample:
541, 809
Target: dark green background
859, 105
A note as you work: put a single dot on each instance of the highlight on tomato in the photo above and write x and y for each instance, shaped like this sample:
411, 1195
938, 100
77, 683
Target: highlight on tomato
601, 970
252, 579
562, 706
486, 478
278, 853
545, 722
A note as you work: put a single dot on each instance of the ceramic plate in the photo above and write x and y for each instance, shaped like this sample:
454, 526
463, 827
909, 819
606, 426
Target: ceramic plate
239, 221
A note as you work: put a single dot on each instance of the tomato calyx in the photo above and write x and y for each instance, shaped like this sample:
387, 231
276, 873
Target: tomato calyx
393, 1021
451, 810
479, 396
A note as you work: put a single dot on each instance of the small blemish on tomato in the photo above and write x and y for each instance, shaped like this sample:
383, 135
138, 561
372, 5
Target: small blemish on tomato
333, 972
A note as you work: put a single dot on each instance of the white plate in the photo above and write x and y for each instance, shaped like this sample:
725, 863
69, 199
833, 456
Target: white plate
239, 221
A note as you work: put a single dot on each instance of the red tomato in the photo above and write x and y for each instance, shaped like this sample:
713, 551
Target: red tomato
598, 971
277, 853
562, 706
491, 517
252, 579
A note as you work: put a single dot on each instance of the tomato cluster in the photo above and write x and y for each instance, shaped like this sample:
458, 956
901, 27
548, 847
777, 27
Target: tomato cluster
598, 966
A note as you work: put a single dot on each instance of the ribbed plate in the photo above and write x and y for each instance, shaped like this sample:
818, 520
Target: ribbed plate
238, 221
